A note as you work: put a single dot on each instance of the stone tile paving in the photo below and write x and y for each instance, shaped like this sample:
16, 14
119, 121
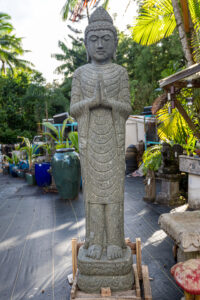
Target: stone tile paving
35, 241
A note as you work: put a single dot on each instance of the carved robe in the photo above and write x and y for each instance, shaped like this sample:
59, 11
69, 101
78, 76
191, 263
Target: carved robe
101, 132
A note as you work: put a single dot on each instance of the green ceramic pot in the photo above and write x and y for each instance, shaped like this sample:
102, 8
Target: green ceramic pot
30, 178
66, 171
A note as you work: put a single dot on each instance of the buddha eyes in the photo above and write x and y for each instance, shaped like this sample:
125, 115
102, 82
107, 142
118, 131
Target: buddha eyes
106, 37
94, 38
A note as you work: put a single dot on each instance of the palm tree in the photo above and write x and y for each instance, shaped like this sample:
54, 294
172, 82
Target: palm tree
77, 7
158, 19
10, 47
5, 26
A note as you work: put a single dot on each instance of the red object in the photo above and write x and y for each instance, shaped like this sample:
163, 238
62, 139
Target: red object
187, 275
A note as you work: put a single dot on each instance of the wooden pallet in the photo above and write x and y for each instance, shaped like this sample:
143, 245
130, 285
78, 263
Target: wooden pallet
142, 283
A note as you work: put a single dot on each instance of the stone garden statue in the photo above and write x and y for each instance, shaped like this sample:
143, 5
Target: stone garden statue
100, 103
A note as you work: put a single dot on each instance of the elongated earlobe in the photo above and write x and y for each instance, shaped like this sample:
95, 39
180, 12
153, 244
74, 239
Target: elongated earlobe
88, 57
114, 55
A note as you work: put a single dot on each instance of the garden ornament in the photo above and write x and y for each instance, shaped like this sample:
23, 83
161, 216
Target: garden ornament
100, 103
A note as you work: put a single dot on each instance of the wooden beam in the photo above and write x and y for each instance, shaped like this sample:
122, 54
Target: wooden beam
180, 75
105, 292
74, 257
187, 118
137, 283
74, 287
139, 257
146, 283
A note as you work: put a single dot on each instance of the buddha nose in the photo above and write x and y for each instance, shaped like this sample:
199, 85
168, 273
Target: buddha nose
99, 44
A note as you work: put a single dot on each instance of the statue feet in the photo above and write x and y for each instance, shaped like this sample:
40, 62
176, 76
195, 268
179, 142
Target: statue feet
94, 251
114, 252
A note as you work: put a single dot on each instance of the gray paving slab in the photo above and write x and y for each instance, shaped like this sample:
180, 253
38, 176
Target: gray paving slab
35, 240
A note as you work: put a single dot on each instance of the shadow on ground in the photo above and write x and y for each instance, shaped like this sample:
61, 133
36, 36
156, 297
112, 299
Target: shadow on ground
35, 241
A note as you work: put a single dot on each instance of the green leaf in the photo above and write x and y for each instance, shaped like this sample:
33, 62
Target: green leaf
156, 20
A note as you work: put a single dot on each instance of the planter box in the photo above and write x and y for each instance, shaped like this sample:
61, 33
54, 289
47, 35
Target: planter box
191, 165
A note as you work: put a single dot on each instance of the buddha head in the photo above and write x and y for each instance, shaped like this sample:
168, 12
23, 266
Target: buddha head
100, 37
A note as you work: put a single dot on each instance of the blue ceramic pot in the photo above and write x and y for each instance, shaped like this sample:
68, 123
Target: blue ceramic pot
66, 171
13, 170
42, 176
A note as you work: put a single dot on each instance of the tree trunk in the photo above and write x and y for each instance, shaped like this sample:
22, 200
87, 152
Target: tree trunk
182, 34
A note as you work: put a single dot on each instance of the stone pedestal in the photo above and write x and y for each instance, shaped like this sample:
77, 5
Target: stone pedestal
184, 229
94, 274
169, 194
191, 165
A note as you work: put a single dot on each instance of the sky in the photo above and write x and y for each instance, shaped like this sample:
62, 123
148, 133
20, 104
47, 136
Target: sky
40, 24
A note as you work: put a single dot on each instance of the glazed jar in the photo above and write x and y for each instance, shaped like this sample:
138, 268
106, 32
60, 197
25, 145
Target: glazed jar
66, 171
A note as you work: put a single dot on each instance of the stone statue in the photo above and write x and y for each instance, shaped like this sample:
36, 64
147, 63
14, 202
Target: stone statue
170, 158
100, 103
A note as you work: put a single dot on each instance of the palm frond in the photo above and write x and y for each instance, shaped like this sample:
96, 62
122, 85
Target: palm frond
172, 127
73, 136
69, 5
51, 127
156, 20
105, 4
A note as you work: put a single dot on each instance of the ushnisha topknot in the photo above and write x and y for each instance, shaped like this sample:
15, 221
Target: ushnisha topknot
100, 19
100, 15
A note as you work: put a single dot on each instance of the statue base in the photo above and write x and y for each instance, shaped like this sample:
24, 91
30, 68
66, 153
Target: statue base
95, 274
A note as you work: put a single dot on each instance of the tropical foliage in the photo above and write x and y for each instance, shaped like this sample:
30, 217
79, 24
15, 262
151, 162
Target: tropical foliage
10, 47
76, 7
14, 159
172, 127
158, 20
56, 134
25, 100
73, 137
152, 159
31, 150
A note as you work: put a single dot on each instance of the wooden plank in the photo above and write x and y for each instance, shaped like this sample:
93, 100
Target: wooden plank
137, 283
84, 296
105, 292
139, 257
131, 245
146, 283
74, 287
74, 257
179, 75
123, 295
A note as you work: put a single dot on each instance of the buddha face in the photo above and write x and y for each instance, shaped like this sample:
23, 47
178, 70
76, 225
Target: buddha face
101, 46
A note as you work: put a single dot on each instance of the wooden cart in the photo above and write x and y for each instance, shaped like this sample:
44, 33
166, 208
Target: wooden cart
141, 289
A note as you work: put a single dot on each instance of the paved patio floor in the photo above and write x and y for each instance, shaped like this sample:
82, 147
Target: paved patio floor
35, 241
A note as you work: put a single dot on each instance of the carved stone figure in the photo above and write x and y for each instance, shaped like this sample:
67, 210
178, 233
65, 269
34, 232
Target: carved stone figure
100, 103
170, 158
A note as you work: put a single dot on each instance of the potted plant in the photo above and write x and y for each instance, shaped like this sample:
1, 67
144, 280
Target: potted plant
31, 151
13, 163
65, 162
151, 163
